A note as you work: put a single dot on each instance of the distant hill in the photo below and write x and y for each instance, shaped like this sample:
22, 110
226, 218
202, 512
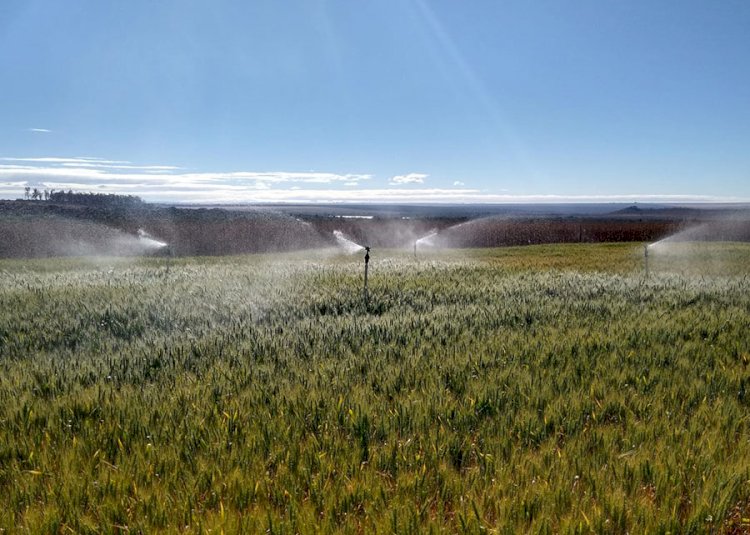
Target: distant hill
678, 212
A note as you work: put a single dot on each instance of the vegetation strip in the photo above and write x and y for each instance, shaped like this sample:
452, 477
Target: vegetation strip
537, 389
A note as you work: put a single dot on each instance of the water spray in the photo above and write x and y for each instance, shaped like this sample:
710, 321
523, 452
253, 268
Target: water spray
149, 243
346, 244
645, 258
426, 240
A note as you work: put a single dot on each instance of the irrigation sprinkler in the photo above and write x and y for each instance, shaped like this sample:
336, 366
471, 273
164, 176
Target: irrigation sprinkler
170, 254
367, 265
645, 258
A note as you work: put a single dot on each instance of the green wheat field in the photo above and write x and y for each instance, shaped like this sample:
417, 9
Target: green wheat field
542, 389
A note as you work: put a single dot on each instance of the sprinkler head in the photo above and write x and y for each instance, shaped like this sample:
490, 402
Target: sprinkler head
367, 249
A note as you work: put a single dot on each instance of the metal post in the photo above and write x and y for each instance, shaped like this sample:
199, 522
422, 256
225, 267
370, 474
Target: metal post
168, 253
367, 265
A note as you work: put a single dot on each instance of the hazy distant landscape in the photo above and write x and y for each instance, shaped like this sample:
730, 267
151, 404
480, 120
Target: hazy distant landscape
41, 229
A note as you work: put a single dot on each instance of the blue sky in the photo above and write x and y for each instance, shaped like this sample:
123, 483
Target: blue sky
387, 101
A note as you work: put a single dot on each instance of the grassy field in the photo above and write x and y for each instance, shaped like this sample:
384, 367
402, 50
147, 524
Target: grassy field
540, 389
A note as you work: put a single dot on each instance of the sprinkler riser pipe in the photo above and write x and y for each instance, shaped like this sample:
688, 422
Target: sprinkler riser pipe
367, 266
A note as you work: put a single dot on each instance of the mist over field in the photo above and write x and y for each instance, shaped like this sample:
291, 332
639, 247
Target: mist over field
44, 228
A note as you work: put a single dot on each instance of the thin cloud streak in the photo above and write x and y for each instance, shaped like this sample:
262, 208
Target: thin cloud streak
227, 194
40, 130
55, 160
155, 168
93, 175
411, 178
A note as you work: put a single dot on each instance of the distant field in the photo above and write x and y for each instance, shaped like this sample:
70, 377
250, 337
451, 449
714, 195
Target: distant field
550, 388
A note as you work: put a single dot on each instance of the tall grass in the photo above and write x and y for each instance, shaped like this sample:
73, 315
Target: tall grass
542, 389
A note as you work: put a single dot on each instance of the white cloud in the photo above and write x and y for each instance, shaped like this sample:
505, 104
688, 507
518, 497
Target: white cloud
206, 193
40, 130
154, 168
162, 183
16, 167
164, 175
458, 183
411, 178
157, 182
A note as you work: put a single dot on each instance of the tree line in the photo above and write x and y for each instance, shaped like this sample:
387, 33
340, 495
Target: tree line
84, 198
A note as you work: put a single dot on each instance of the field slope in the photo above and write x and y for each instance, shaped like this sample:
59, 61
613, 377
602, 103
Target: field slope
538, 389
